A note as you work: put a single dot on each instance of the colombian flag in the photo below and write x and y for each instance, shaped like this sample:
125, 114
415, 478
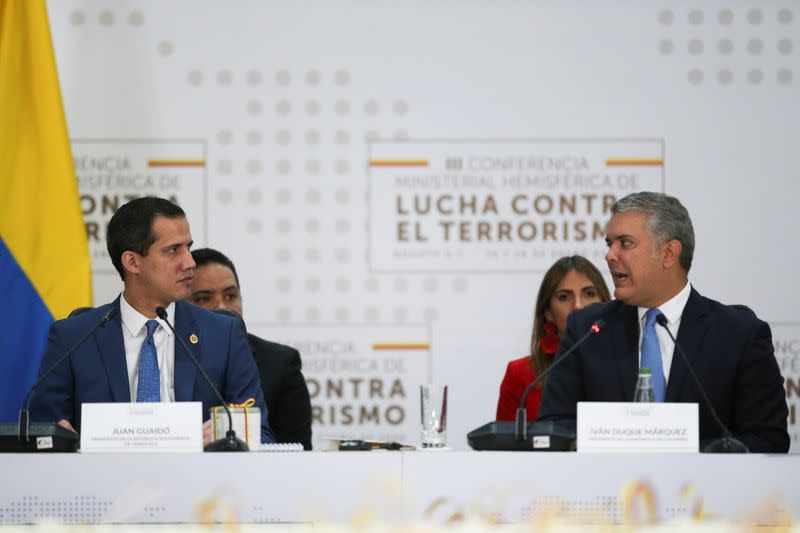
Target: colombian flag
44, 254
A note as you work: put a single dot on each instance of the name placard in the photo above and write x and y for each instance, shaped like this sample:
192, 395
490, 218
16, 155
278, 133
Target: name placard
142, 427
638, 427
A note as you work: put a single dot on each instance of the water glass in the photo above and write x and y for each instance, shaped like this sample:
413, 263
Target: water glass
433, 410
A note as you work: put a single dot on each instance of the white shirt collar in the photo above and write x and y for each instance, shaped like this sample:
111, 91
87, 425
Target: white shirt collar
135, 322
672, 309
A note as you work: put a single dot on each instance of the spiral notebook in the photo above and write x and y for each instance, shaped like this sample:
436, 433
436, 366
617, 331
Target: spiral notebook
278, 447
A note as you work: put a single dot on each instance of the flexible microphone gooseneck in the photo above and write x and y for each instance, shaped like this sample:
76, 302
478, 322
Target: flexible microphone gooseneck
230, 443
728, 443
24, 415
521, 424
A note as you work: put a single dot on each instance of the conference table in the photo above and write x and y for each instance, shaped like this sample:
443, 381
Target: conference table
439, 486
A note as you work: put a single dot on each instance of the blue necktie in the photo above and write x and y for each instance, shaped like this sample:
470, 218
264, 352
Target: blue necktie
651, 354
149, 389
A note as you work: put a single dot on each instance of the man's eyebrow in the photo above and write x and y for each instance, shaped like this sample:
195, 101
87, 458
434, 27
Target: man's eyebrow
202, 292
229, 287
173, 244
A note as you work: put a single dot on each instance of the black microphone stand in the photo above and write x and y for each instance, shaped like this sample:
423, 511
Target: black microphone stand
521, 423
230, 443
727, 443
548, 435
23, 432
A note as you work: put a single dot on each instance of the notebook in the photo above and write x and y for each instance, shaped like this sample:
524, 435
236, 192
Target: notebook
278, 447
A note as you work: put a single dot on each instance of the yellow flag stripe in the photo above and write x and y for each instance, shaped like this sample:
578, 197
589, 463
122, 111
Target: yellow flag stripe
400, 345
40, 216
176, 162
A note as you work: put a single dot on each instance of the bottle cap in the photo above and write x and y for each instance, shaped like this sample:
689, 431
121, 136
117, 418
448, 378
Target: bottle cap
644, 371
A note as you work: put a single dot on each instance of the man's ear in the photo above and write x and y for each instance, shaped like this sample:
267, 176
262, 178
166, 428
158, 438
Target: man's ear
131, 262
671, 253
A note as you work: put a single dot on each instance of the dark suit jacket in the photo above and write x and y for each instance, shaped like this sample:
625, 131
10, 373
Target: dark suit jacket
97, 370
285, 390
730, 350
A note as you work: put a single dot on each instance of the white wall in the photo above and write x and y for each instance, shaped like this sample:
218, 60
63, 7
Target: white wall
279, 102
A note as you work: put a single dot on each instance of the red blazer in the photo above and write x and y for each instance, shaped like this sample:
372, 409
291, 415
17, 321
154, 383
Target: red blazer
519, 375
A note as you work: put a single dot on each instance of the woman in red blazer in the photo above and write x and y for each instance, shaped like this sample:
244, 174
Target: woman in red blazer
571, 283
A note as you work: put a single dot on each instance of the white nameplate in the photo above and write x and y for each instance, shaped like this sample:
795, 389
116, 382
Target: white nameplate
142, 427
638, 427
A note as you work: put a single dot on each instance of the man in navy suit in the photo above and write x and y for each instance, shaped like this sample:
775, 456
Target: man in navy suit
650, 247
134, 356
216, 286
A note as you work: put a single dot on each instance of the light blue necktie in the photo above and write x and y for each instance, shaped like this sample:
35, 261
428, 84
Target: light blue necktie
651, 354
149, 389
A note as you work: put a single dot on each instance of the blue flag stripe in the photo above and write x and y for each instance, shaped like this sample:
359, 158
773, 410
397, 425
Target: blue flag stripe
24, 321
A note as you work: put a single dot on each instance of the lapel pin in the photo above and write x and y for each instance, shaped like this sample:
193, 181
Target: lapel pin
193, 339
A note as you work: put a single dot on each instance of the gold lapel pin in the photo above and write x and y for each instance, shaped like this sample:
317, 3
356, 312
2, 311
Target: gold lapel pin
193, 339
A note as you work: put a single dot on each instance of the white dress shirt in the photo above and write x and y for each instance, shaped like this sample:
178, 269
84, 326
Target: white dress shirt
672, 309
134, 331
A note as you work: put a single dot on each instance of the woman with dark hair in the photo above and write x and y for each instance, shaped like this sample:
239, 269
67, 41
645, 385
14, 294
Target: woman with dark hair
571, 283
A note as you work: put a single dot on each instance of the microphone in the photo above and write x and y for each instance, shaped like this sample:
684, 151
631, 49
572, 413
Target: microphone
728, 443
520, 426
230, 443
23, 431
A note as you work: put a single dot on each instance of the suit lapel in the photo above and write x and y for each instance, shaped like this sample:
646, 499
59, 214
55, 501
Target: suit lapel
111, 346
626, 346
691, 333
185, 371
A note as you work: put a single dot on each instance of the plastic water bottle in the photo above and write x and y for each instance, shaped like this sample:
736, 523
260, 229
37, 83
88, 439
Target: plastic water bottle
644, 387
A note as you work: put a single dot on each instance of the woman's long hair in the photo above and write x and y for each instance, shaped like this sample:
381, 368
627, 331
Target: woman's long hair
552, 278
